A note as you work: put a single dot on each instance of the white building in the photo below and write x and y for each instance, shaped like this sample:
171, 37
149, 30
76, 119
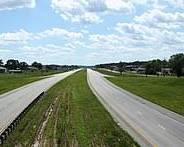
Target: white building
166, 71
3, 69
141, 70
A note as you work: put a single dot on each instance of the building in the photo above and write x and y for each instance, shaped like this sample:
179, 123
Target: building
15, 71
141, 70
131, 67
31, 68
3, 69
166, 71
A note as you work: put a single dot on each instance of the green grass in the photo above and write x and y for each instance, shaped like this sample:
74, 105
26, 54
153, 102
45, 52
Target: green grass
82, 120
106, 72
11, 81
78, 117
165, 91
124, 74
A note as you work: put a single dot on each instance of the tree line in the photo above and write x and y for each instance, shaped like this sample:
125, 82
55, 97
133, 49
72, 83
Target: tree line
12, 64
175, 63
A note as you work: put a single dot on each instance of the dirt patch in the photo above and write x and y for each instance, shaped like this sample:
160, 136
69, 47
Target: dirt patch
39, 136
55, 126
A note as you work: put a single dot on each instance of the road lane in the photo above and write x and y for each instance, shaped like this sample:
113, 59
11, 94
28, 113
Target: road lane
14, 102
148, 125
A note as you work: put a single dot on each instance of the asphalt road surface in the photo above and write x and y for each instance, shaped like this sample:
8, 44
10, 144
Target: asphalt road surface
149, 124
14, 102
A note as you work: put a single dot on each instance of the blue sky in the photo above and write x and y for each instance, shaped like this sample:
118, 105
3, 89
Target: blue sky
89, 32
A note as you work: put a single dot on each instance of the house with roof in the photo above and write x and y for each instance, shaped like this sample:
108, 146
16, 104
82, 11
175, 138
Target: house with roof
3, 69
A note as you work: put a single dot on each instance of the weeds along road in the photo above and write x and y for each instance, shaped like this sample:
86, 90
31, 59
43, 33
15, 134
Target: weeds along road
15, 101
146, 123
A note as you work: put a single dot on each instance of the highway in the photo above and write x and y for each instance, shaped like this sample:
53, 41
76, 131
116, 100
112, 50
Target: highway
147, 123
14, 102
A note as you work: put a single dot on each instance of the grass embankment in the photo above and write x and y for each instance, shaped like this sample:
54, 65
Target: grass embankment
165, 91
77, 119
11, 81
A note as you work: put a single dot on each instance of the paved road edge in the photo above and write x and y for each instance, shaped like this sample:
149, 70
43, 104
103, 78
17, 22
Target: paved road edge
124, 124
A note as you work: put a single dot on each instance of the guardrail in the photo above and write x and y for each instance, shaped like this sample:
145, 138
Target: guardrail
13, 124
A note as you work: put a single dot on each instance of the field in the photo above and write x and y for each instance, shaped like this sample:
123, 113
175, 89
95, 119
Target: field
106, 72
73, 117
124, 74
11, 81
165, 91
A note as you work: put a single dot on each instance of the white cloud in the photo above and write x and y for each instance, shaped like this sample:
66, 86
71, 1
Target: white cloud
176, 3
119, 5
54, 32
157, 29
159, 16
150, 35
104, 38
161, 19
88, 11
160, 3
144, 2
48, 53
96, 6
49, 49
21, 36
39, 46
88, 17
134, 40
5, 50
113, 43
13, 4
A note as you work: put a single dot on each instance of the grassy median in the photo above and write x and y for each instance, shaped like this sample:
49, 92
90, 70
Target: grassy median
77, 119
80, 119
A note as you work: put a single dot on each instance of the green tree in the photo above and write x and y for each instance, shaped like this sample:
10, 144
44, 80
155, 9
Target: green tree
23, 65
37, 65
121, 67
165, 64
177, 64
1, 62
12, 64
154, 66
